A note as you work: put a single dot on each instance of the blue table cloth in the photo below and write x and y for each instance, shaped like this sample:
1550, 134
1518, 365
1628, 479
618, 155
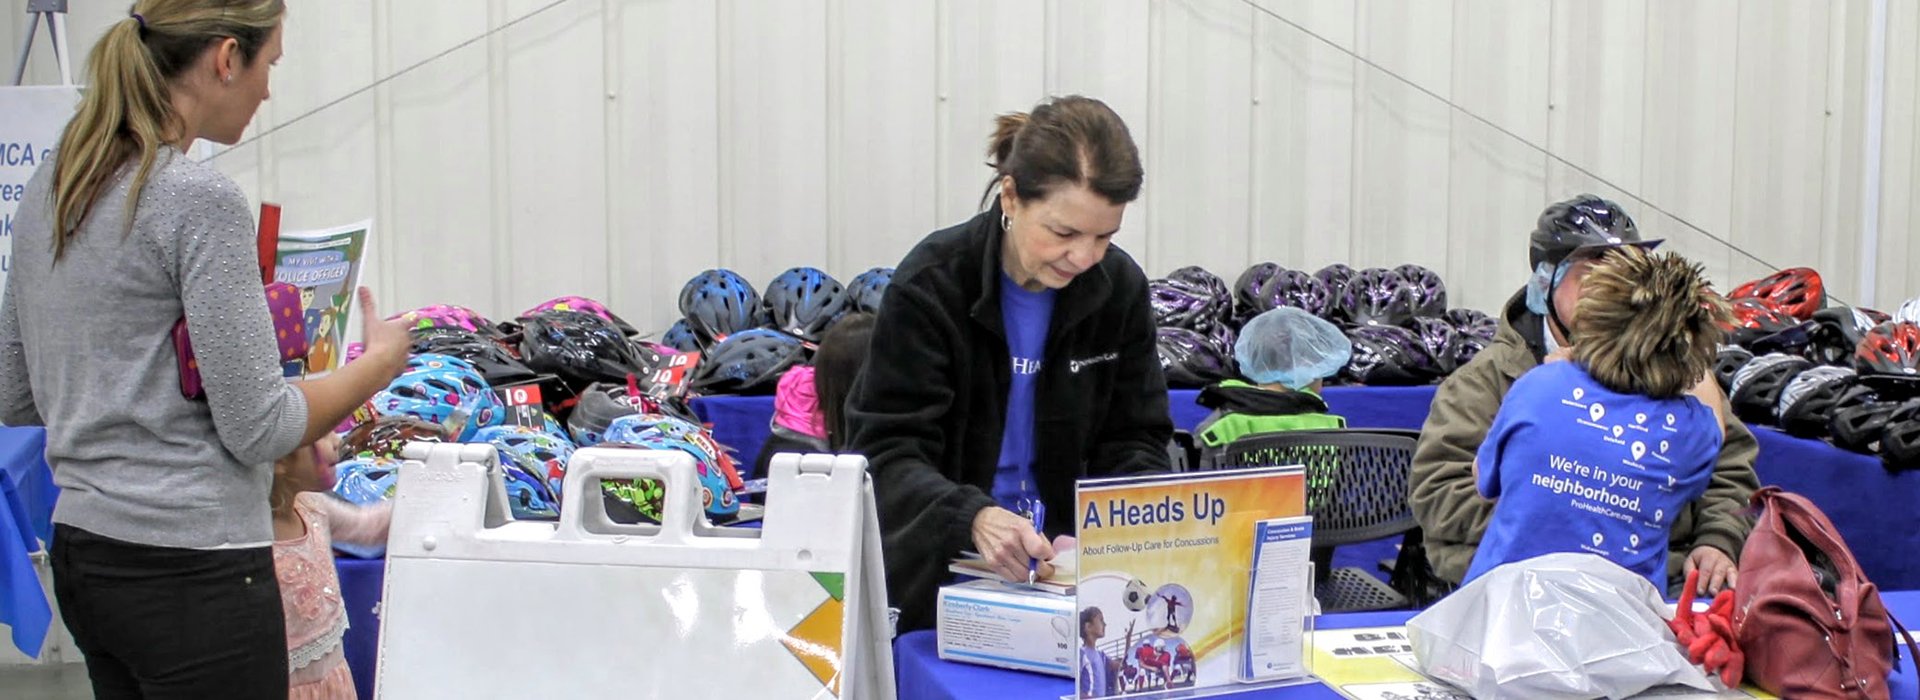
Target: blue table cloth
921, 674
26, 511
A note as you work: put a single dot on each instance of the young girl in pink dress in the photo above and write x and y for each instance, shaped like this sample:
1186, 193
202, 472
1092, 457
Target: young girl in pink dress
305, 525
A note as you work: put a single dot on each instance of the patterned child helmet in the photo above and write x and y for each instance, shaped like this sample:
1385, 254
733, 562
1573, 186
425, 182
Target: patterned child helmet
582, 304
747, 362
543, 452
442, 316
867, 288
1252, 291
660, 433
366, 480
1429, 292
803, 301
455, 397
386, 436
719, 303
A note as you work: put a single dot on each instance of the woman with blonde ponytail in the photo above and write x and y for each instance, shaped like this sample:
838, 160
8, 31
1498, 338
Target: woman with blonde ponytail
162, 559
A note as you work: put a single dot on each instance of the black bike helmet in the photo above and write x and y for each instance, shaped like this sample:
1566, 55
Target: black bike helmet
496, 365
1858, 428
1810, 400
1335, 276
1727, 362
1900, 443
803, 302
1429, 291
600, 404
1378, 297
1436, 336
719, 303
1178, 303
578, 347
1757, 386
748, 362
1835, 333
1578, 227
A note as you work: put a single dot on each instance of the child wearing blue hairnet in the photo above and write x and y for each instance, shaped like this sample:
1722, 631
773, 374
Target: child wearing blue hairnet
1285, 354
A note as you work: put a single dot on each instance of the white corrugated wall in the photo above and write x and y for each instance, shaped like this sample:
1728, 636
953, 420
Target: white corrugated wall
513, 150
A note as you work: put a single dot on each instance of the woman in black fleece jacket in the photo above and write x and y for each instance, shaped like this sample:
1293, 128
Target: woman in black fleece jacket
959, 442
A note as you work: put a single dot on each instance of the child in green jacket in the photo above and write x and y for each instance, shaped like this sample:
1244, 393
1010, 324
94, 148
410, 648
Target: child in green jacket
1286, 353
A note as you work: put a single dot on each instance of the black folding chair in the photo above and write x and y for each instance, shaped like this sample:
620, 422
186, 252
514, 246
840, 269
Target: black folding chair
1357, 488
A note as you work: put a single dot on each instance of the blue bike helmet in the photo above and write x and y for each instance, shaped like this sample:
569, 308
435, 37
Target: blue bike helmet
747, 362
680, 337
803, 301
866, 289
719, 303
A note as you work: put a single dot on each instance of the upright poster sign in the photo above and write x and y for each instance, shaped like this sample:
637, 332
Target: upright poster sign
30, 122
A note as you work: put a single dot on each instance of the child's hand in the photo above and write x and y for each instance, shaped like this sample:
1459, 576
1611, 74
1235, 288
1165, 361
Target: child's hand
1717, 570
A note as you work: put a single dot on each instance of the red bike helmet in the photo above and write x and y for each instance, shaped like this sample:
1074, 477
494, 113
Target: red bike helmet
1891, 348
1795, 291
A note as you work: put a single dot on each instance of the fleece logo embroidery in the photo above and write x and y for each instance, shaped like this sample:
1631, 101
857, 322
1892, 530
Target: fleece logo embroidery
1077, 365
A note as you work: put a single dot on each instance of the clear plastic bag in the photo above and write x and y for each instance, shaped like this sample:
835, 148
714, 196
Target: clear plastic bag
1556, 626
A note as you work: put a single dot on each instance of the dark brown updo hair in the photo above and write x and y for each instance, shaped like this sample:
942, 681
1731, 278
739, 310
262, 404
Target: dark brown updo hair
1066, 140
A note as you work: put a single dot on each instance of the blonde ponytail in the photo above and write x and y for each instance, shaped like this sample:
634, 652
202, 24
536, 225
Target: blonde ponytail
127, 112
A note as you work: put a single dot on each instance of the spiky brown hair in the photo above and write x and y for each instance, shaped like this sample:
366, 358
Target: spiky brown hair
1647, 323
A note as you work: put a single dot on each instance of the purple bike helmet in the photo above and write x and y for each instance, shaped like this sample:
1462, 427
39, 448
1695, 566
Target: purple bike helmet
1436, 336
1302, 291
1336, 277
1180, 303
1378, 297
1192, 360
1473, 322
1429, 292
1251, 291
442, 316
1388, 356
719, 303
1463, 349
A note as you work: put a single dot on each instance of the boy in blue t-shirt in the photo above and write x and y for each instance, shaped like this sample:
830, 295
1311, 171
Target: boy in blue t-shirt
1599, 454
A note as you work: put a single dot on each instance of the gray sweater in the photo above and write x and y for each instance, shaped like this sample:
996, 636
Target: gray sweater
86, 350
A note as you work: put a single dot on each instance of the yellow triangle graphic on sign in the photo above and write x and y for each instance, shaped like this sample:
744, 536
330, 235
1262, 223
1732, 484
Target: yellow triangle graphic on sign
816, 643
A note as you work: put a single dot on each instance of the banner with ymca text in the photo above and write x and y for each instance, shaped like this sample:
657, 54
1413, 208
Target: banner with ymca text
30, 122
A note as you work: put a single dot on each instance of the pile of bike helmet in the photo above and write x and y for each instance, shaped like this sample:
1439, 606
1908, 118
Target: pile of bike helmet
1402, 331
591, 370
748, 338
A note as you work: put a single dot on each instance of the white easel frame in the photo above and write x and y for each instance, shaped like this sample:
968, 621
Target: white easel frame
54, 13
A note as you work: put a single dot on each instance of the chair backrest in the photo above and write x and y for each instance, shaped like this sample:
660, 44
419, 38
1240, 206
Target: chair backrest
1357, 479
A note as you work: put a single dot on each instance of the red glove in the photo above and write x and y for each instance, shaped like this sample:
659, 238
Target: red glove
1708, 637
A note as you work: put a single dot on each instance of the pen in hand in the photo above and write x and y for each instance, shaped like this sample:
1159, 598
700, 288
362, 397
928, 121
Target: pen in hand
1039, 515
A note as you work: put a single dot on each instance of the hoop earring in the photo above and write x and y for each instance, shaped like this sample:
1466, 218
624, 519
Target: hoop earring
1006, 224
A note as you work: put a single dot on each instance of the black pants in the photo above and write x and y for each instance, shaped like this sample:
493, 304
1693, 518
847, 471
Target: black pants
160, 622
